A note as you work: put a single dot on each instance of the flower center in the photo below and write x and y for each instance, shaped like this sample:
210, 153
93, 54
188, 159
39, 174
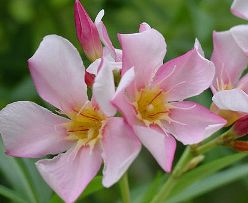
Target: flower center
221, 85
86, 125
151, 105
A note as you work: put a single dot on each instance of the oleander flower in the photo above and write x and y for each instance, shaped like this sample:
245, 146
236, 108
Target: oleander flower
230, 56
235, 100
82, 135
90, 35
150, 94
240, 8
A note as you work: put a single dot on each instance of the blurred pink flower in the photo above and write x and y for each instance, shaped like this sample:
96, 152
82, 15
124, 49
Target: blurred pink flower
90, 36
240, 8
85, 136
230, 56
235, 100
150, 94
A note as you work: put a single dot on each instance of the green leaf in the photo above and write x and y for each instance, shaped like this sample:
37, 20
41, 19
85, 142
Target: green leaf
42, 190
153, 188
10, 194
14, 173
204, 171
94, 186
56, 199
211, 183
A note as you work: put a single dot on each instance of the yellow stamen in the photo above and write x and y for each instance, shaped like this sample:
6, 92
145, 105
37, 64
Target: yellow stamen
221, 85
151, 105
86, 125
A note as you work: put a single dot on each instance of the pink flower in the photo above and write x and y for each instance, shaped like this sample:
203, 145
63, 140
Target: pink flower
85, 136
235, 100
240, 8
110, 54
90, 36
150, 94
230, 56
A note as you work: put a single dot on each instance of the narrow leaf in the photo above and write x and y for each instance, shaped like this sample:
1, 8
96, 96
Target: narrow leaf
211, 183
10, 194
205, 170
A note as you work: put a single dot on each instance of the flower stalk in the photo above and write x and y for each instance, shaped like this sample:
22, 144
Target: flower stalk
124, 189
190, 154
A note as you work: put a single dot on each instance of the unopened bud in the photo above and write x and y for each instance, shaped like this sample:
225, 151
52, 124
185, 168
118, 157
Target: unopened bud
240, 146
193, 163
89, 78
240, 127
87, 33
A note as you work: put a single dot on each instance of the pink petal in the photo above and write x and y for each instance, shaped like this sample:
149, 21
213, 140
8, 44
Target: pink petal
121, 100
103, 33
185, 76
145, 52
122, 103
120, 148
240, 35
58, 73
198, 47
126, 81
68, 174
240, 8
96, 65
29, 130
234, 100
161, 146
87, 33
243, 84
143, 27
93, 67
104, 88
228, 57
191, 123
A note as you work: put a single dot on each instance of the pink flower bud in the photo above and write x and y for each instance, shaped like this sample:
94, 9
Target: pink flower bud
240, 128
87, 33
89, 79
240, 146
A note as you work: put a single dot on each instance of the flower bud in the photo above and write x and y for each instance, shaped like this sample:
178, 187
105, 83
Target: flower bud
87, 33
240, 146
240, 127
89, 78
193, 163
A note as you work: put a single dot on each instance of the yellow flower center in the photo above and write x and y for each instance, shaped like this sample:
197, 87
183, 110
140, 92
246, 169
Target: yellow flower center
86, 125
151, 105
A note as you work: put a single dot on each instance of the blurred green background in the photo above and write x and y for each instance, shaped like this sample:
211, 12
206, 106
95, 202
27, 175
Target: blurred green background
23, 24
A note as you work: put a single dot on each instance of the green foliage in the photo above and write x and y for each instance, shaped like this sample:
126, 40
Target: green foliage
212, 182
22, 176
205, 171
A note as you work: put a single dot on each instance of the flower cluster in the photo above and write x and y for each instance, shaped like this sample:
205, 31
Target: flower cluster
149, 95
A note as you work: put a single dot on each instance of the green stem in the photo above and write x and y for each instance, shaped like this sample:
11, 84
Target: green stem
222, 139
124, 188
172, 180
181, 167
